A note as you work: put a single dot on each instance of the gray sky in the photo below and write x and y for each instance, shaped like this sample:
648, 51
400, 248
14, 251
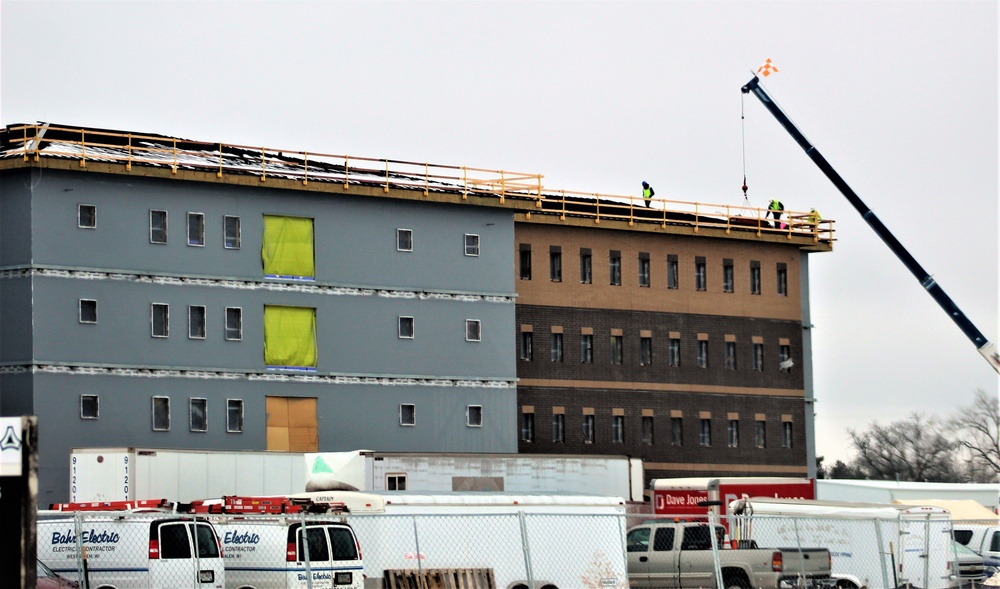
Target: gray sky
900, 97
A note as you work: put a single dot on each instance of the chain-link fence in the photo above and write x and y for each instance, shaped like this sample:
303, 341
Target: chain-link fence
475, 551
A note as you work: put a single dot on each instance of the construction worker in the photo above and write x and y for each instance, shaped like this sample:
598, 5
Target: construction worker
775, 208
647, 194
813, 218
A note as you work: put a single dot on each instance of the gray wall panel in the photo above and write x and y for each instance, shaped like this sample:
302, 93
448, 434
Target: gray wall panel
15, 320
15, 217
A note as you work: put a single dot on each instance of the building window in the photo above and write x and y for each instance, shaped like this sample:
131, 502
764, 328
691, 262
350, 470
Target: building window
471, 244
755, 278
734, 433
290, 337
727, 276
157, 226
196, 229
705, 435
196, 322
161, 414
473, 330
288, 250
676, 431
586, 266
405, 327
760, 433
616, 349
234, 323
615, 267
647, 430
730, 355
525, 258
234, 416
587, 349
231, 232
555, 264
557, 347
474, 416
407, 414
527, 338
702, 353
404, 240
86, 216
700, 278
758, 357
160, 320
785, 358
88, 311
786, 434
673, 272
528, 427
782, 280
588, 429
198, 415
558, 428
644, 270
674, 352
645, 351
89, 407
395, 482
618, 429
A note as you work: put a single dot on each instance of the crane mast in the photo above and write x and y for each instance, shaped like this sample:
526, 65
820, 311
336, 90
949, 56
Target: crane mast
986, 348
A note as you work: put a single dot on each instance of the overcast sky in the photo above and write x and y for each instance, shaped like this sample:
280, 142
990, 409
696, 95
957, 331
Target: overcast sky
900, 97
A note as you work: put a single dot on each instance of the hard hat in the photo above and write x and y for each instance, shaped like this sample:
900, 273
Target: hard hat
644, 183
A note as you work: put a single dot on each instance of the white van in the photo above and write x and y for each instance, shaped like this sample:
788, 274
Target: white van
263, 547
132, 550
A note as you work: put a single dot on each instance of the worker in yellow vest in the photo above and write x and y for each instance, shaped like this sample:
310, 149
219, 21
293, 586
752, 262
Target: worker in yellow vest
647, 194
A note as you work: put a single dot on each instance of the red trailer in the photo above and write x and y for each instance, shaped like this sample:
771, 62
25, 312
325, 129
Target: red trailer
681, 496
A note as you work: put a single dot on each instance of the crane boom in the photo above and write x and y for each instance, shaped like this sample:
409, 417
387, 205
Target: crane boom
986, 348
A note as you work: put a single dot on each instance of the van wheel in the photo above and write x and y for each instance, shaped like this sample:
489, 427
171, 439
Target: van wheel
519, 587
846, 585
549, 587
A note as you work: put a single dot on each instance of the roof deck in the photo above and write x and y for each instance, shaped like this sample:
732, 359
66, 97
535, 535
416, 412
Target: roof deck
44, 145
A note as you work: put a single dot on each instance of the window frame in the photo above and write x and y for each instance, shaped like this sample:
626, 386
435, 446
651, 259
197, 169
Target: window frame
784, 354
527, 343
758, 357
760, 433
527, 427
401, 244
786, 434
728, 277
644, 271
79, 216
155, 230
615, 268
648, 430
239, 327
192, 401
589, 432
555, 265
478, 326
408, 410
193, 332
80, 311
472, 247
586, 266
700, 275
617, 349
231, 404
617, 429
674, 352
165, 308
231, 242
164, 404
393, 480
474, 410
673, 272
782, 279
733, 433
755, 281
405, 328
524, 261
705, 432
730, 357
702, 359
677, 431
558, 428
198, 238
645, 351
96, 404
556, 347
586, 348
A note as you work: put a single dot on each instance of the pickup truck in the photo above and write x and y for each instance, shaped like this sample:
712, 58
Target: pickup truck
667, 554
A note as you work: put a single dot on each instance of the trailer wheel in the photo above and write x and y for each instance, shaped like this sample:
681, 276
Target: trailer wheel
735, 580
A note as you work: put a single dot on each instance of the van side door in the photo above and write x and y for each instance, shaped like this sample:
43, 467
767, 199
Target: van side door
176, 562
319, 566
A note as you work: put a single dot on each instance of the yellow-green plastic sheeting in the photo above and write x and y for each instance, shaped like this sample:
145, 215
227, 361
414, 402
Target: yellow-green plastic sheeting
288, 247
289, 336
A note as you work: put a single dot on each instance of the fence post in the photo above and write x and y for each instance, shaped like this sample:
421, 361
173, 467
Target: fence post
881, 556
305, 550
81, 554
197, 551
527, 551
715, 549
416, 544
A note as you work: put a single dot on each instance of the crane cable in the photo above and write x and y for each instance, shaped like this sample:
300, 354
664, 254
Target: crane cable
743, 137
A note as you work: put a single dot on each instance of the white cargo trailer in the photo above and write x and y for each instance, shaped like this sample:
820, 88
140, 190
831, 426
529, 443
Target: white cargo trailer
125, 474
986, 494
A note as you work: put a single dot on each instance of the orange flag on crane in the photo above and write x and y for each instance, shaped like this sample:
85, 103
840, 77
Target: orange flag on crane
767, 69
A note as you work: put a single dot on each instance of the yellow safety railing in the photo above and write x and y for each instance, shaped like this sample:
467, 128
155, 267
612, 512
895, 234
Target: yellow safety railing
89, 145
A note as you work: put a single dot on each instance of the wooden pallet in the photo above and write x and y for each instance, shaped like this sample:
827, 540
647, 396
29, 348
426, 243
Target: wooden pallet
438, 579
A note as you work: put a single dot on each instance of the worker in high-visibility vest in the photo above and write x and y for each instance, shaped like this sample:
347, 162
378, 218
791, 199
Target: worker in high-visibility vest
814, 218
647, 194
775, 208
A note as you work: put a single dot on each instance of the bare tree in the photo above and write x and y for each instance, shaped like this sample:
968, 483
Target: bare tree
977, 432
912, 449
